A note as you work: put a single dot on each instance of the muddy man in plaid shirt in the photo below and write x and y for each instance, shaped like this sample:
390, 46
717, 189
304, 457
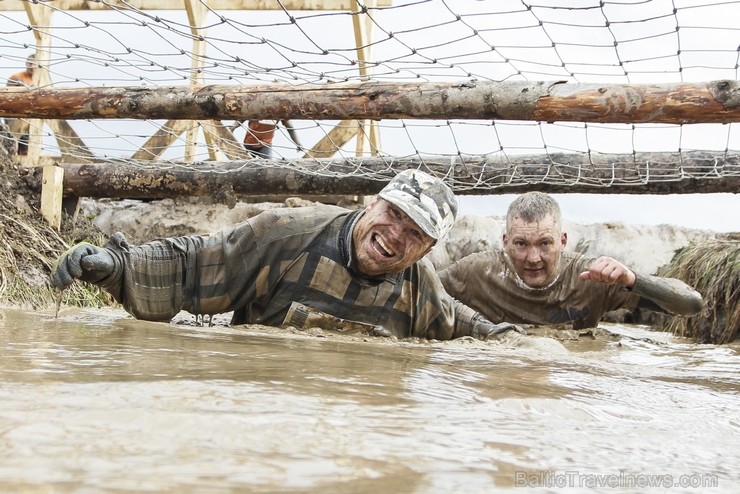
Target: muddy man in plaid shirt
322, 266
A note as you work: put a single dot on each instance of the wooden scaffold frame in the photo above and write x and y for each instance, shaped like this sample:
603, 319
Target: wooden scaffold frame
220, 141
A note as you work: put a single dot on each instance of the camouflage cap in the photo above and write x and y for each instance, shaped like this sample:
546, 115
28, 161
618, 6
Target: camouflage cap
427, 200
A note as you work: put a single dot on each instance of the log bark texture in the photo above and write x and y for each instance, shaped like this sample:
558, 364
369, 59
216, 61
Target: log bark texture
642, 173
681, 103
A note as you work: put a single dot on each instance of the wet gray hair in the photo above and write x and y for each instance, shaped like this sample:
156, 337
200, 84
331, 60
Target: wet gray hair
533, 206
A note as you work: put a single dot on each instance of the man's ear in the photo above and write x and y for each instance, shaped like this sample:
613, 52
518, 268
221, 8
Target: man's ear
429, 249
505, 239
564, 239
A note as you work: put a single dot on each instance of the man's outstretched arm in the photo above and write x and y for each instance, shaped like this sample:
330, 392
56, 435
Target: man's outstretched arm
146, 280
671, 294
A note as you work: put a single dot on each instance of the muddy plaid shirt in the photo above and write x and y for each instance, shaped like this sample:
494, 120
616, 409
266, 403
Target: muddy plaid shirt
279, 268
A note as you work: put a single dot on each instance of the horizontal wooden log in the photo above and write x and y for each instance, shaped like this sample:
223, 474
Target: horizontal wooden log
641, 173
681, 103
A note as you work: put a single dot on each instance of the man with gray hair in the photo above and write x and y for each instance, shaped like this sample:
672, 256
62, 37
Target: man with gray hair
323, 266
532, 280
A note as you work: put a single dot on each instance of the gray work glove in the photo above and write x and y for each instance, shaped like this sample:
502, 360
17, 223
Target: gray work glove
83, 261
381, 331
483, 330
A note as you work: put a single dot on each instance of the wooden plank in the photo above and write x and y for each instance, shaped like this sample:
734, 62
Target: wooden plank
52, 195
11, 5
70, 143
674, 103
40, 16
224, 139
197, 12
363, 29
333, 140
161, 140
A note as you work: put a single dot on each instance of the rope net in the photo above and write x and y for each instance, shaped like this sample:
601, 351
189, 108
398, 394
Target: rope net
118, 43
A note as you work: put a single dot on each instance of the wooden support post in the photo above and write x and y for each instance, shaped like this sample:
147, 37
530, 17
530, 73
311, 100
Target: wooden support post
197, 12
160, 140
39, 17
224, 139
368, 137
337, 137
52, 179
51, 195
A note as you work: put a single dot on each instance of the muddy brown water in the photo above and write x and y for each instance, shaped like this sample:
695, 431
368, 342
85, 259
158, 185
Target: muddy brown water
95, 401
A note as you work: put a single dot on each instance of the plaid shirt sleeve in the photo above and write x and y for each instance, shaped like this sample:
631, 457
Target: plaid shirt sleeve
151, 281
208, 274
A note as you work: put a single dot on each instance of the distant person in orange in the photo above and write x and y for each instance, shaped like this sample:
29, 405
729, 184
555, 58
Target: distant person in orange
18, 127
24, 78
258, 139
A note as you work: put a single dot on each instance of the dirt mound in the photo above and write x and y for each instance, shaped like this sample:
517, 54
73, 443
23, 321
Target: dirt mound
28, 245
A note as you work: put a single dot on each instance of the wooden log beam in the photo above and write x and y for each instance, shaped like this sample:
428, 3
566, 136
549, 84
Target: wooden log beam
641, 173
11, 5
679, 103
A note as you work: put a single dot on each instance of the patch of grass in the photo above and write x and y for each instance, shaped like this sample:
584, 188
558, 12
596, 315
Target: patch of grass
713, 268
28, 252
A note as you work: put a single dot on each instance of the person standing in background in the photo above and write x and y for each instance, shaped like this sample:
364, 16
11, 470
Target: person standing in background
258, 139
19, 127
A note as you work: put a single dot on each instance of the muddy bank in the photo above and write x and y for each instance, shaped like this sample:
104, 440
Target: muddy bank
28, 246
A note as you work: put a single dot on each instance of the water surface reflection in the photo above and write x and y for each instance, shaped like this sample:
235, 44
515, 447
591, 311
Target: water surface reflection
96, 401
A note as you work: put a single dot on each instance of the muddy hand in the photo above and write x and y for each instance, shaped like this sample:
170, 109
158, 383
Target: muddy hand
609, 270
381, 331
83, 261
484, 329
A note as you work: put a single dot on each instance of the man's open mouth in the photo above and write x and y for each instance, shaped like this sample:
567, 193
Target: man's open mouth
381, 247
